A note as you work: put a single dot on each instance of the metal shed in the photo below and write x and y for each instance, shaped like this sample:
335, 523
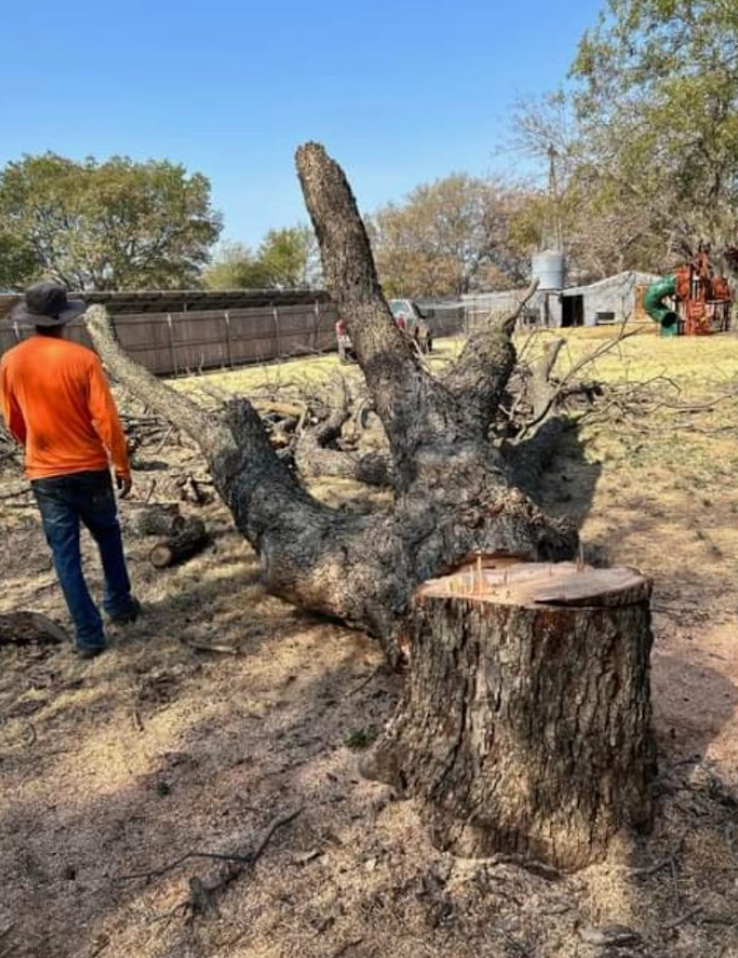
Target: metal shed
611, 300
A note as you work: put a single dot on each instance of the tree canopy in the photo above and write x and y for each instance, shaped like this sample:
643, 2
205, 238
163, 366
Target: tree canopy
285, 258
118, 224
658, 101
451, 236
646, 135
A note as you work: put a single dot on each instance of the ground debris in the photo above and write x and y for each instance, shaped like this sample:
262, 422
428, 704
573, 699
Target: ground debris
27, 627
609, 935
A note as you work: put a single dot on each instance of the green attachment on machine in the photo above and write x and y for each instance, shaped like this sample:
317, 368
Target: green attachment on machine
652, 303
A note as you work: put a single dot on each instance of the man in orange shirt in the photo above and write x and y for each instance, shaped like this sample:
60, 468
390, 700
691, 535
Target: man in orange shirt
58, 405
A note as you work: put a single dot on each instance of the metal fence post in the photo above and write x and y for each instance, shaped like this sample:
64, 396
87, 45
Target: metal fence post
172, 351
275, 313
227, 317
316, 331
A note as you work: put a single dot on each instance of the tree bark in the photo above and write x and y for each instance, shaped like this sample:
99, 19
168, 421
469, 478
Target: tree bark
526, 723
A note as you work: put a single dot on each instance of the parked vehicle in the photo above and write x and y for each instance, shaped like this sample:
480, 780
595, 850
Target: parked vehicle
345, 349
407, 318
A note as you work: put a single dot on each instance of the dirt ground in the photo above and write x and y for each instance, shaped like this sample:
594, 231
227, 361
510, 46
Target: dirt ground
223, 709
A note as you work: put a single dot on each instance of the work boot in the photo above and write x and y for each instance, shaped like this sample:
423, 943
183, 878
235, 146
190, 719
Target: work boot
90, 651
129, 615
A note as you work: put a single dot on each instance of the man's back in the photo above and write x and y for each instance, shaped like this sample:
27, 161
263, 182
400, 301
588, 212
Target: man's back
54, 394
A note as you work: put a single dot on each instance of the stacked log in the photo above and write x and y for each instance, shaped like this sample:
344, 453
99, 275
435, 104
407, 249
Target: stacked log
184, 536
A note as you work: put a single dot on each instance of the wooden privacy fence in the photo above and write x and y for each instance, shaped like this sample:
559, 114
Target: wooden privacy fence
180, 343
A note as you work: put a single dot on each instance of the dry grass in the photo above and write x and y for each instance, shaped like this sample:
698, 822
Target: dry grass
155, 750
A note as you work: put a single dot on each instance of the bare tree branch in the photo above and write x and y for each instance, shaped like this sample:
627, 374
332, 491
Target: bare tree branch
479, 376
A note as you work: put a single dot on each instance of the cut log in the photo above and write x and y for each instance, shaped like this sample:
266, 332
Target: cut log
26, 627
184, 544
162, 519
526, 724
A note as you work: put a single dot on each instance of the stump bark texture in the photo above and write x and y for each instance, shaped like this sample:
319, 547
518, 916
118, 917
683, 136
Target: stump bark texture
526, 724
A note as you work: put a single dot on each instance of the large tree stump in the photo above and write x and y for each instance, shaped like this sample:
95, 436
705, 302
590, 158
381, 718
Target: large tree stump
526, 722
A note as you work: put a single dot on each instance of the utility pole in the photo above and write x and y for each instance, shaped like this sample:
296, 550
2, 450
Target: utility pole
553, 233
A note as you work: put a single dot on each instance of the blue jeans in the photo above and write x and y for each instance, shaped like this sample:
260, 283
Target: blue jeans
85, 497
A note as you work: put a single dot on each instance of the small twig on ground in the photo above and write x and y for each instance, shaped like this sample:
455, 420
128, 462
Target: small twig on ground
164, 440
547, 872
730, 921
202, 893
348, 945
17, 489
364, 682
669, 861
189, 856
277, 822
682, 919
249, 858
203, 647
150, 491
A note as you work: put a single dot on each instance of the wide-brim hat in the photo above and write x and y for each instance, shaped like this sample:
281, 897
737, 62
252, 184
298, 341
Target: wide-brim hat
46, 304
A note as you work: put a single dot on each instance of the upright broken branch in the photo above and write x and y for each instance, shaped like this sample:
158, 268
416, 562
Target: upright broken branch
480, 375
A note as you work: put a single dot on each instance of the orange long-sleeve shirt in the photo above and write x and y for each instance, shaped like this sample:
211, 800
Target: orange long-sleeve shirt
56, 401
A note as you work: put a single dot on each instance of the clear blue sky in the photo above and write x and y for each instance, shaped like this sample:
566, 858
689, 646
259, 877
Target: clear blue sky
400, 92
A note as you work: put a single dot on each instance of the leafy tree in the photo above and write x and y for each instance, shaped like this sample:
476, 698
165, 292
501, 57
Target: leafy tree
657, 107
112, 225
17, 261
285, 258
449, 237
236, 267
289, 256
605, 226
646, 136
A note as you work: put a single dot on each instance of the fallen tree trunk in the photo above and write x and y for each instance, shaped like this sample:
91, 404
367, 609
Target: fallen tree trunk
452, 491
525, 727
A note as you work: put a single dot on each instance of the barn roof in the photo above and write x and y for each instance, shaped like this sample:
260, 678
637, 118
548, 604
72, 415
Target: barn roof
627, 278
